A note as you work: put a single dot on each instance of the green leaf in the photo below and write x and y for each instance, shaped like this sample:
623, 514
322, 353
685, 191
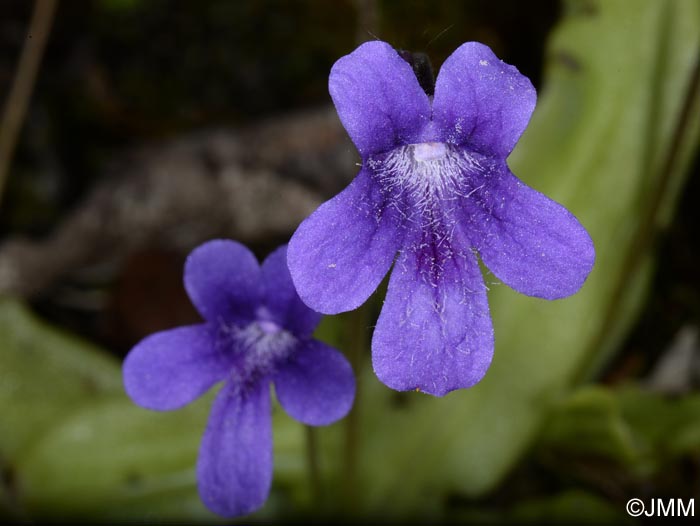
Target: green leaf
571, 507
46, 374
599, 142
591, 422
638, 430
665, 427
686, 437
114, 460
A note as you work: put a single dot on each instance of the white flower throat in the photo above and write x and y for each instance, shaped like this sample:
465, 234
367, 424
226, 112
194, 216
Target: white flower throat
429, 151
424, 171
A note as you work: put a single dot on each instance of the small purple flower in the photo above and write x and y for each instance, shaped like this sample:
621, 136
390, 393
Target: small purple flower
435, 187
257, 331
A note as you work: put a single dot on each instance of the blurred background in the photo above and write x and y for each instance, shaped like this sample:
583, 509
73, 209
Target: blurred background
152, 126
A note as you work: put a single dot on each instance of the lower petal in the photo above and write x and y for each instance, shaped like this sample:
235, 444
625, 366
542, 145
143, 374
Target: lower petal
171, 368
339, 254
316, 386
434, 333
234, 469
531, 243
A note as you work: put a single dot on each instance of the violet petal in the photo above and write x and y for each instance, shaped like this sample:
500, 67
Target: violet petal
339, 254
281, 299
378, 98
316, 386
531, 243
434, 332
234, 469
222, 278
169, 369
482, 102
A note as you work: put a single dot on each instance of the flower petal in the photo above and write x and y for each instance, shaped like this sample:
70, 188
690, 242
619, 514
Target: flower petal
222, 278
281, 298
339, 254
434, 333
169, 369
482, 102
234, 469
378, 98
531, 243
316, 386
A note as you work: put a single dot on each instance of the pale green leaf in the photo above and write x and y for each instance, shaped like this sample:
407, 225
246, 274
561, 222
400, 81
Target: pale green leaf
46, 374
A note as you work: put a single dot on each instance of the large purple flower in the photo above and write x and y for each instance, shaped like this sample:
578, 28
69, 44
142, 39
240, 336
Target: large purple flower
435, 187
257, 330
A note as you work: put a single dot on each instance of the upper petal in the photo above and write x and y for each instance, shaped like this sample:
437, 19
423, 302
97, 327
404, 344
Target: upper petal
316, 386
339, 254
378, 98
281, 298
482, 102
530, 242
434, 332
169, 369
222, 278
234, 469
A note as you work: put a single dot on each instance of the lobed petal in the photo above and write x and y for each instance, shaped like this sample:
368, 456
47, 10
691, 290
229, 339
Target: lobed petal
169, 369
222, 278
378, 98
316, 386
481, 102
434, 333
234, 469
531, 243
339, 254
281, 298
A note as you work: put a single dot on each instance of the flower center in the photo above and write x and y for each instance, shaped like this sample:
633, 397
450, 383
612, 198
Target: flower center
418, 174
429, 151
269, 327
257, 347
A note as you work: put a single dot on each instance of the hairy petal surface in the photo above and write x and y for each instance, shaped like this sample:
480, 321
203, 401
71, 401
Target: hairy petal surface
222, 279
317, 385
280, 298
339, 254
169, 369
434, 332
378, 98
481, 102
234, 469
531, 243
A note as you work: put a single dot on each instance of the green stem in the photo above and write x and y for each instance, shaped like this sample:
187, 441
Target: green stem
312, 458
356, 337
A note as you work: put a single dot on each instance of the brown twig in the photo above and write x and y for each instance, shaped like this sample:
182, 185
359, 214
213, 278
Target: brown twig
23, 84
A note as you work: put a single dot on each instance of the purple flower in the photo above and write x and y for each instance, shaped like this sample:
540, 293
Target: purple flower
257, 331
435, 187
